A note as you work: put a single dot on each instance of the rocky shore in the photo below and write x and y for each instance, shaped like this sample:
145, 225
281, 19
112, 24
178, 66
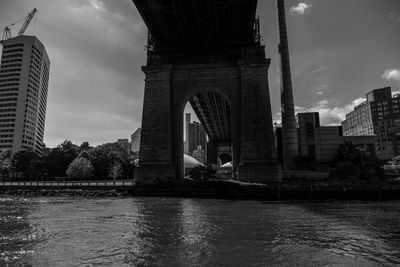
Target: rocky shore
63, 192
227, 190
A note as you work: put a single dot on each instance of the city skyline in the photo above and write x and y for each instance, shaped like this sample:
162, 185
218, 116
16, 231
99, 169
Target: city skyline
339, 51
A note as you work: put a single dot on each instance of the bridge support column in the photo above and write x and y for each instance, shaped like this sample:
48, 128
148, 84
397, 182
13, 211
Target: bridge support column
212, 152
257, 150
156, 160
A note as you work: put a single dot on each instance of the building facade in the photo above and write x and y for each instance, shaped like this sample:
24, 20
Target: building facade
199, 154
359, 121
197, 138
383, 113
24, 78
188, 120
135, 140
319, 144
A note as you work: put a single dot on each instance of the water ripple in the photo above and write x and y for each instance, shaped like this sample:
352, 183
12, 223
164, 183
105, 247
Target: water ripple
79, 231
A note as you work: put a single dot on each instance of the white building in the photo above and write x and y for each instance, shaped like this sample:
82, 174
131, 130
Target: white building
24, 77
135, 140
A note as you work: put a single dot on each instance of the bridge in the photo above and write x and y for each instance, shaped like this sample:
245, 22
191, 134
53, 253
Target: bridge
207, 53
176, 25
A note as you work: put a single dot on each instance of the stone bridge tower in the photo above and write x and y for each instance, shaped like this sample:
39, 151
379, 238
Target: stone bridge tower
207, 52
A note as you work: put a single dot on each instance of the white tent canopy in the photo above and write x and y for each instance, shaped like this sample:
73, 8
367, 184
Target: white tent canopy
190, 162
227, 165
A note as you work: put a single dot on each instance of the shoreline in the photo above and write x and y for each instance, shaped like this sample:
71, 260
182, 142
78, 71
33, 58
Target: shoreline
222, 190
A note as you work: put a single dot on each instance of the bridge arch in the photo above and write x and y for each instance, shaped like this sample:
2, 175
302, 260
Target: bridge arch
243, 83
214, 112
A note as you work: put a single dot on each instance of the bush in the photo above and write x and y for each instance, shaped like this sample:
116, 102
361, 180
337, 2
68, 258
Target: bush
80, 168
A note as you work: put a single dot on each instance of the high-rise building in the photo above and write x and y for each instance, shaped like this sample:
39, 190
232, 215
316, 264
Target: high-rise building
135, 140
379, 116
196, 137
199, 154
24, 78
188, 120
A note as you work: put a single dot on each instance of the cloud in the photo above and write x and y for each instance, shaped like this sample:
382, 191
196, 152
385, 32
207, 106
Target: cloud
394, 17
319, 70
329, 113
392, 74
300, 9
322, 89
395, 92
96, 48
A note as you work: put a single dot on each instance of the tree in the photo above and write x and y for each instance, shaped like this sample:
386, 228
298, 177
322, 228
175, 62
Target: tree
57, 162
352, 161
85, 146
80, 168
105, 157
349, 152
36, 169
21, 160
116, 171
5, 163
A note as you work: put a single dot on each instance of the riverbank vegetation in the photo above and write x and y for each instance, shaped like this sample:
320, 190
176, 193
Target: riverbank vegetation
111, 162
351, 162
69, 161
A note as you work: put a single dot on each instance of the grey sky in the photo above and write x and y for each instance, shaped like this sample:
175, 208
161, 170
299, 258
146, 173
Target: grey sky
339, 50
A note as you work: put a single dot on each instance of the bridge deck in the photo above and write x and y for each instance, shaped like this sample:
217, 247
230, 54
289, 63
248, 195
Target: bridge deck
197, 22
214, 114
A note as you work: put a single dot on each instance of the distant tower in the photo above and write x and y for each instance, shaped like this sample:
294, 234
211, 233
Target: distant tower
186, 143
196, 137
289, 131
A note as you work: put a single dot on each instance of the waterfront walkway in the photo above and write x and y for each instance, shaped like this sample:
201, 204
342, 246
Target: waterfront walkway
109, 184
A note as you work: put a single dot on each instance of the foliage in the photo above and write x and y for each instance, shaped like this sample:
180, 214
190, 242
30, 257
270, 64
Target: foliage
203, 173
5, 163
59, 159
353, 162
21, 160
116, 171
104, 161
105, 157
349, 152
36, 170
85, 146
80, 168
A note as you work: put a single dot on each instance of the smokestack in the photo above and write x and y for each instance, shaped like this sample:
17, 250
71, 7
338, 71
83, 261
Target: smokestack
289, 132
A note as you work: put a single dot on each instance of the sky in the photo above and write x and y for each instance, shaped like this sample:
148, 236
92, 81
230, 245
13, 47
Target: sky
339, 49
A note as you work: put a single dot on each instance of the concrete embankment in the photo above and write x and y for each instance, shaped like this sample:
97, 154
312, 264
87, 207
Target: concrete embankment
284, 191
224, 189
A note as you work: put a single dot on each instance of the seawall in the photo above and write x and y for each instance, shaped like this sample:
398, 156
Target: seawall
220, 189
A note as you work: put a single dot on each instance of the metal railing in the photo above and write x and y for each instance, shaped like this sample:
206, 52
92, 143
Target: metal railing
66, 184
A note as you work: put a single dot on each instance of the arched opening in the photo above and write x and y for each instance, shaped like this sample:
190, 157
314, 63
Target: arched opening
207, 132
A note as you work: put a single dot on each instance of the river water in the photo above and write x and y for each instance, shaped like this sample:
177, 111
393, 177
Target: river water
78, 231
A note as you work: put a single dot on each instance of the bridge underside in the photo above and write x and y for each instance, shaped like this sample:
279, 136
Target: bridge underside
206, 52
187, 23
214, 113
